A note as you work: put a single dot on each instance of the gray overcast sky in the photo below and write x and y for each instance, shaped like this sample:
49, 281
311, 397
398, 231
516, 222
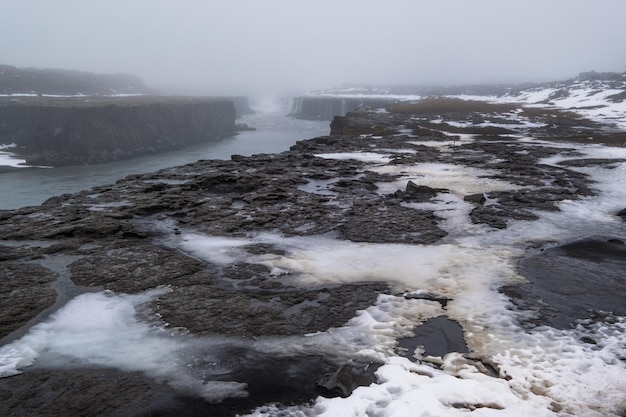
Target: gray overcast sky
262, 46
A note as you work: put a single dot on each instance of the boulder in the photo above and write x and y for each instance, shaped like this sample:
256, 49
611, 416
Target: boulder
419, 193
475, 198
346, 378
341, 381
437, 336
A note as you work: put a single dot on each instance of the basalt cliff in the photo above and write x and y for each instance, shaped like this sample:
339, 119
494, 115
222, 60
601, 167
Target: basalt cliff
89, 130
60, 117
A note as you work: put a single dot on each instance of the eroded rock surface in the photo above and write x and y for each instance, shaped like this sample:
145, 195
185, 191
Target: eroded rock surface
126, 238
582, 280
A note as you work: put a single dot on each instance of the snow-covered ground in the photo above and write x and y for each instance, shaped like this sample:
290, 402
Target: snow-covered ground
8, 158
364, 93
593, 100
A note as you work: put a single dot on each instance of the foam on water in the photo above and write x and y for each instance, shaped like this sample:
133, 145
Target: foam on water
102, 329
543, 371
541, 365
458, 179
217, 250
599, 212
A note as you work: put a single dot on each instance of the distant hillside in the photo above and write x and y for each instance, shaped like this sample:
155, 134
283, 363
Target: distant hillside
15, 80
599, 96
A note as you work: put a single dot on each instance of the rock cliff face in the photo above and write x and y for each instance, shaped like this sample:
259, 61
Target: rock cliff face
325, 108
93, 130
242, 105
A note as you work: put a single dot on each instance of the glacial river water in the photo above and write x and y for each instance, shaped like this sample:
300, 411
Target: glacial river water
275, 133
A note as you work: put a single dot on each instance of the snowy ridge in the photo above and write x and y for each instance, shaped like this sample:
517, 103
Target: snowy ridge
598, 100
598, 97
373, 93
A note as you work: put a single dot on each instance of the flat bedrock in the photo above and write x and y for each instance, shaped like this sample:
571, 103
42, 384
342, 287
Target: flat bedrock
123, 237
581, 280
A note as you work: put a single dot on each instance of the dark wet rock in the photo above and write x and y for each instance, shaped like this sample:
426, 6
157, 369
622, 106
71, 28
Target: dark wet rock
366, 123
437, 336
341, 381
24, 292
595, 250
391, 223
220, 182
492, 216
283, 379
571, 282
586, 162
418, 193
248, 310
511, 205
345, 379
62, 393
428, 296
337, 124
145, 266
475, 198
518, 164
288, 379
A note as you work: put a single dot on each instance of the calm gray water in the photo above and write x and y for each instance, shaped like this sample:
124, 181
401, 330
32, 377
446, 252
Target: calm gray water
275, 133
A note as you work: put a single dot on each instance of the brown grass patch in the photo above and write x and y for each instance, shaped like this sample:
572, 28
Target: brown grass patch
544, 114
450, 105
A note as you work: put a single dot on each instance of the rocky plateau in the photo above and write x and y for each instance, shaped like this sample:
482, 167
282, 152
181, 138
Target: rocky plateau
122, 238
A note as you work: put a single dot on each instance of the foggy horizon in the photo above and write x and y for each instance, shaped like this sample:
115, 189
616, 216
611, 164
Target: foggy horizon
277, 47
